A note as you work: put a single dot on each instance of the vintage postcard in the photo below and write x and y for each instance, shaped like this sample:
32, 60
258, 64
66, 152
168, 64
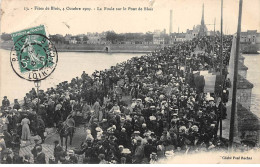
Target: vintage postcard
129, 82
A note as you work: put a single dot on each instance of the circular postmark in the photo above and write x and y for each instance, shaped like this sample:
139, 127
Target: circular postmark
33, 57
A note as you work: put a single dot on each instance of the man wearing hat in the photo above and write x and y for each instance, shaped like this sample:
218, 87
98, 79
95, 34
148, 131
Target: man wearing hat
138, 152
40, 157
40, 128
7, 138
52, 160
139, 106
148, 149
5, 103
34, 151
16, 104
101, 157
72, 158
6, 156
122, 138
16, 142
86, 110
143, 130
225, 96
58, 150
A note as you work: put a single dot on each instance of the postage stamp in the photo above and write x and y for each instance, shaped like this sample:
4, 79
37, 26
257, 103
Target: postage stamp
33, 56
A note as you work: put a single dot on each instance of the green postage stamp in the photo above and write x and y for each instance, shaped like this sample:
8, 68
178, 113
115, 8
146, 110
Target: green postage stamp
33, 56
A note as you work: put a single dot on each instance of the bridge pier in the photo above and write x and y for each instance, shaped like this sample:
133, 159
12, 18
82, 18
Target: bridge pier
246, 123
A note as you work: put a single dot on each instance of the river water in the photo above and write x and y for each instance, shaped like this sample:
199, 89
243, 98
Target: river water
72, 64
252, 61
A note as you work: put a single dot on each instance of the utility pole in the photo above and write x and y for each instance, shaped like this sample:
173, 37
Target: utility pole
214, 36
234, 93
221, 69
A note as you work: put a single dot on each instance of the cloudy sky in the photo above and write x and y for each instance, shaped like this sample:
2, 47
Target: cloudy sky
186, 14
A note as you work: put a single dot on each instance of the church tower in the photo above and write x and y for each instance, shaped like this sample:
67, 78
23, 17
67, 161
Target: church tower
203, 28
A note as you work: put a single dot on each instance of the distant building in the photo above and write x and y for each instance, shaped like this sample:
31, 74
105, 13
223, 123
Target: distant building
159, 37
202, 29
96, 38
81, 38
129, 42
250, 36
73, 40
67, 38
177, 37
198, 30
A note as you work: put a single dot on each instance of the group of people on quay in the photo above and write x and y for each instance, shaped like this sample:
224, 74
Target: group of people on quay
139, 111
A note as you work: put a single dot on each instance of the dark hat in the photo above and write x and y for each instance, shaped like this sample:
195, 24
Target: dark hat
36, 140
139, 140
56, 142
27, 156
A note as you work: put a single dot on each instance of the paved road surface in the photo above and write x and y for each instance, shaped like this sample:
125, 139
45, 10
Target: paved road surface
48, 146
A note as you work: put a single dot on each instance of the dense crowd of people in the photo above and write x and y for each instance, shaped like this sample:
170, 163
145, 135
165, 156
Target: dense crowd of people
139, 111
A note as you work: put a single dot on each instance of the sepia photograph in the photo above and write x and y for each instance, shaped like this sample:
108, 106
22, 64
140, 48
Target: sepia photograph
129, 82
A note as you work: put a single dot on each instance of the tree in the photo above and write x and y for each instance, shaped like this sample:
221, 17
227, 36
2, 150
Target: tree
120, 37
78, 38
148, 37
111, 36
85, 38
57, 38
54, 38
6, 37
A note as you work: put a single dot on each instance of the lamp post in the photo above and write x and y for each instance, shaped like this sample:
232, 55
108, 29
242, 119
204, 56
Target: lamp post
37, 84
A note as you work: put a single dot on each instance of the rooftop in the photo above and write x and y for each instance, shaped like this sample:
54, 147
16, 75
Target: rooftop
178, 35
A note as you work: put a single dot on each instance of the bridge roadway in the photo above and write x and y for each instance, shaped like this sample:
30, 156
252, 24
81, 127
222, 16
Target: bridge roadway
48, 145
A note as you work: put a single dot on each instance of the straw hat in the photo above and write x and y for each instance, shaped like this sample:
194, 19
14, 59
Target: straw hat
136, 132
70, 152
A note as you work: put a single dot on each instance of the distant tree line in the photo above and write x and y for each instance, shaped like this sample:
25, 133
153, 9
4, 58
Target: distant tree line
135, 37
6, 37
110, 36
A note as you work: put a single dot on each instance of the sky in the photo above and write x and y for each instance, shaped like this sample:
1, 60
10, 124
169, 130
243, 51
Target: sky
186, 14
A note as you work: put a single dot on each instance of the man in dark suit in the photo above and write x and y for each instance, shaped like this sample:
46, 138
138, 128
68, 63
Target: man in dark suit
5, 103
40, 128
34, 151
40, 158
58, 150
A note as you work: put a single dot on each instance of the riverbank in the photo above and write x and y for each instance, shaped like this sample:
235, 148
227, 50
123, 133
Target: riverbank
122, 48
102, 51
101, 48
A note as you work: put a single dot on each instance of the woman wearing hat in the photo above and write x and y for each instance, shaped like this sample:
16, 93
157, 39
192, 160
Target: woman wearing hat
26, 134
